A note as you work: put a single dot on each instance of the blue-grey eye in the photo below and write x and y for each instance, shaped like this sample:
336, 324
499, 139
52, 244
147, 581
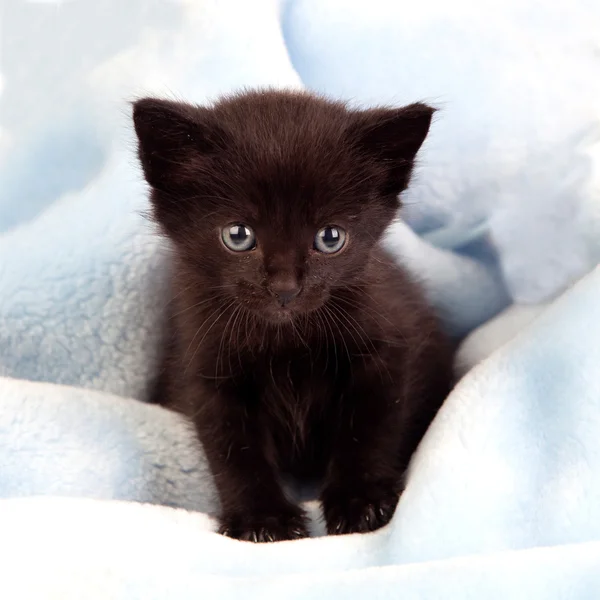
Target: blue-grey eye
238, 237
330, 239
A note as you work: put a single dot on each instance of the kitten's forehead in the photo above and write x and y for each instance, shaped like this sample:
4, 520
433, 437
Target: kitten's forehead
292, 156
291, 194
286, 131
259, 113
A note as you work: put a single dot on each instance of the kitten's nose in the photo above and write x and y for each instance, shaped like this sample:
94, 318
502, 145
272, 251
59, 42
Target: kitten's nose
285, 290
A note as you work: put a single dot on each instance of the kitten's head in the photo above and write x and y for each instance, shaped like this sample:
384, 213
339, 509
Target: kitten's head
276, 198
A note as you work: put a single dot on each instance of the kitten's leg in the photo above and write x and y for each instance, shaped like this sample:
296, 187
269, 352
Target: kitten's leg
253, 504
385, 413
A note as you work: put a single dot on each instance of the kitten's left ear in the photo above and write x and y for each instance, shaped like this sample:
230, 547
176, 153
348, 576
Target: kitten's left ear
393, 137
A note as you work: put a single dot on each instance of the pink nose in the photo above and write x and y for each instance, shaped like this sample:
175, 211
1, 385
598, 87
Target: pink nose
285, 290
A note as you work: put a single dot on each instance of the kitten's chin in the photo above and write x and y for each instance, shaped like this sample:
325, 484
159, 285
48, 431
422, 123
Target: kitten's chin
278, 316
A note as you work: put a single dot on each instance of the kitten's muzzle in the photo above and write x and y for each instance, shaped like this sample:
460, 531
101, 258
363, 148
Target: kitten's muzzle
285, 291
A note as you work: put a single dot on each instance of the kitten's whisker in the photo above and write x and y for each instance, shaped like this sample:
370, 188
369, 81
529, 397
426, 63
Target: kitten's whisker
336, 313
322, 330
249, 320
246, 318
220, 349
326, 319
358, 328
359, 306
298, 333
335, 322
227, 306
197, 305
235, 327
366, 339
183, 291
226, 286
197, 332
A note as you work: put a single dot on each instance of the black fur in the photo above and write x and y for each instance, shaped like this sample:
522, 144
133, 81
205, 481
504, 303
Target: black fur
288, 360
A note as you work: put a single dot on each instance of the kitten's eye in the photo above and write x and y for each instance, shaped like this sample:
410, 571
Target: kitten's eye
330, 239
239, 237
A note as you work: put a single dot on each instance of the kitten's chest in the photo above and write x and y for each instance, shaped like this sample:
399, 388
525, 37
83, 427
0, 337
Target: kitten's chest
297, 395
294, 382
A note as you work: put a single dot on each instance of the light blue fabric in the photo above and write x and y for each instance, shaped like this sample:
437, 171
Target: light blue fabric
510, 464
162, 553
505, 206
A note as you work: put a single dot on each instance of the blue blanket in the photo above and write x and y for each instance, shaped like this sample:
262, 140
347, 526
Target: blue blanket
503, 494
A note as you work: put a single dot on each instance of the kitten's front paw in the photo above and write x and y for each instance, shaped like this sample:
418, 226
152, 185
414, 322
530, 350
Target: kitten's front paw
253, 527
358, 507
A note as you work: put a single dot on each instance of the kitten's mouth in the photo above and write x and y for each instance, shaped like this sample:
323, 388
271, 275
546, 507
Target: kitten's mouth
275, 314
271, 312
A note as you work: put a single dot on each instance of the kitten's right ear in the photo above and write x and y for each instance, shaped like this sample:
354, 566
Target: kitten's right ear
172, 138
392, 137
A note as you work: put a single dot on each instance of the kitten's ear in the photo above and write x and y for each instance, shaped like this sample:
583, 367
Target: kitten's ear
393, 137
172, 139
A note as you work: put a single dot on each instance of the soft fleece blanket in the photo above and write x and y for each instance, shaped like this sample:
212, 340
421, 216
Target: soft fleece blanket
504, 216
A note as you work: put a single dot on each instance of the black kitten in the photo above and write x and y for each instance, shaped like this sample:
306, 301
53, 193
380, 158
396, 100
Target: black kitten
298, 347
